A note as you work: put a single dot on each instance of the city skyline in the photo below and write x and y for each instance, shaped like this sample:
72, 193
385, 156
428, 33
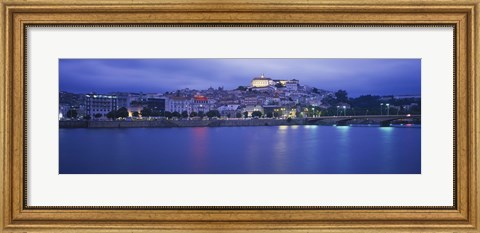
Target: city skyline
357, 76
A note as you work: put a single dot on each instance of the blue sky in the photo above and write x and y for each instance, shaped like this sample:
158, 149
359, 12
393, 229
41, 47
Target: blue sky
356, 76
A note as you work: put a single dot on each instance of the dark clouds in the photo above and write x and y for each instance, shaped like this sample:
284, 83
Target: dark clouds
357, 76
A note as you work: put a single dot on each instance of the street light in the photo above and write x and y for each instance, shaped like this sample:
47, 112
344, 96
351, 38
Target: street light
344, 110
337, 110
381, 108
388, 109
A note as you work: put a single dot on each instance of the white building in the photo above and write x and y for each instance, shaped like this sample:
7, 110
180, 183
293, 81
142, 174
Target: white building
291, 86
251, 100
262, 81
177, 104
228, 110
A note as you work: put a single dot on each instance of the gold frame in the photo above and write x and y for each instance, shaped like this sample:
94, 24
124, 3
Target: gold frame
17, 14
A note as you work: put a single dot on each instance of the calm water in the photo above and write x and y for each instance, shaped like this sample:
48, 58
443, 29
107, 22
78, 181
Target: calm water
241, 150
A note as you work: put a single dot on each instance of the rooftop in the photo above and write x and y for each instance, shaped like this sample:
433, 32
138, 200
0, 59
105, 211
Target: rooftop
200, 98
262, 77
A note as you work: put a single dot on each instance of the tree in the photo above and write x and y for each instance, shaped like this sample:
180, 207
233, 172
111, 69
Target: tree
146, 112
238, 115
276, 114
315, 90
313, 110
176, 114
201, 114
156, 113
329, 100
193, 114
213, 113
168, 114
135, 114
241, 88
72, 113
279, 85
184, 114
87, 117
112, 114
135, 103
122, 112
98, 115
269, 114
245, 114
341, 96
257, 114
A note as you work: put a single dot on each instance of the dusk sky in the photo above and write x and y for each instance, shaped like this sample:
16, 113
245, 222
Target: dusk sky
356, 76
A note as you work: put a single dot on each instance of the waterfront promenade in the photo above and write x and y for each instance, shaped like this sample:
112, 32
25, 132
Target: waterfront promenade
164, 123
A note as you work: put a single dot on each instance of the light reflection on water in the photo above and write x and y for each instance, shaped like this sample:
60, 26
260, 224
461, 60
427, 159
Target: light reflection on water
307, 149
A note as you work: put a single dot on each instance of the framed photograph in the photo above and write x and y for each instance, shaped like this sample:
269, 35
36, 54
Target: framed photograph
164, 116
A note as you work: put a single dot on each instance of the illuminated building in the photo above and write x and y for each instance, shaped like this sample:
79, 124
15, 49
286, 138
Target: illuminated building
279, 111
177, 104
262, 81
200, 103
251, 109
100, 104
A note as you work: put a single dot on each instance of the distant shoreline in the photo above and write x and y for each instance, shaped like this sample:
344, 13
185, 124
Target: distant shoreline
164, 123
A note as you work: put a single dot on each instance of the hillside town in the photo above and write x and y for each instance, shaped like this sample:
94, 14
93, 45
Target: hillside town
263, 97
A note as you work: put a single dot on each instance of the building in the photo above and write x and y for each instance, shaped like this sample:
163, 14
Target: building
253, 100
415, 97
70, 101
100, 104
295, 81
291, 85
262, 81
229, 110
63, 110
156, 104
152, 96
275, 111
200, 103
177, 104
122, 99
250, 109
280, 82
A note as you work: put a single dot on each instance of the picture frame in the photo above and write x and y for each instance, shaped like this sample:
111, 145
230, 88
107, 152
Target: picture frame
16, 215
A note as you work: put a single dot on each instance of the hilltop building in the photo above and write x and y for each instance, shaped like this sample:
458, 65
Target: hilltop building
262, 81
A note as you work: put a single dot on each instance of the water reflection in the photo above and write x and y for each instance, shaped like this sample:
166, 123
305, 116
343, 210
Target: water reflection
280, 149
198, 148
343, 147
241, 150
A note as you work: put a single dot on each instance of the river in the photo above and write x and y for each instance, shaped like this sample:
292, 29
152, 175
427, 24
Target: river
242, 150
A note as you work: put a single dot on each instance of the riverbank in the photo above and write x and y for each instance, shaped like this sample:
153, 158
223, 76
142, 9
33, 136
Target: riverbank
163, 123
